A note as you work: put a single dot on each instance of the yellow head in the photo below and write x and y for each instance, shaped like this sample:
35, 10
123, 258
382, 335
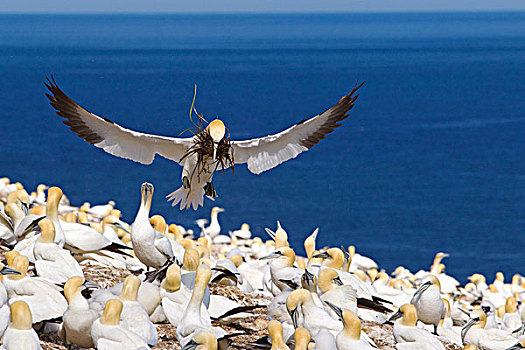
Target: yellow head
510, 305
20, 264
130, 288
158, 222
191, 259
216, 129
206, 341
111, 315
172, 281
275, 329
302, 338
21, 317
72, 287
352, 325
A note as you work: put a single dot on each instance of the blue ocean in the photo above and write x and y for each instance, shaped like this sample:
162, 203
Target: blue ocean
432, 158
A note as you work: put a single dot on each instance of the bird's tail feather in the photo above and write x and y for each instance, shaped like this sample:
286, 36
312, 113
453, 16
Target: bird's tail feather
187, 197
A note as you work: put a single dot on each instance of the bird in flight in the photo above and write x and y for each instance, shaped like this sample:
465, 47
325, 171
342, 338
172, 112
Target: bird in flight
201, 155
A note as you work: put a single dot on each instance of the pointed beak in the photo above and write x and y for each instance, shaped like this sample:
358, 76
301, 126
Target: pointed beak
323, 255
25, 208
395, 316
465, 329
337, 310
9, 271
270, 232
90, 284
338, 281
274, 255
423, 288
295, 318
120, 226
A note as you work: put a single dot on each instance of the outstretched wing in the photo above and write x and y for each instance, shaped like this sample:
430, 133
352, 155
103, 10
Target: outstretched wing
111, 137
265, 153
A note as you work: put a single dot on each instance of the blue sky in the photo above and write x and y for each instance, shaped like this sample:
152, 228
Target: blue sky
176, 6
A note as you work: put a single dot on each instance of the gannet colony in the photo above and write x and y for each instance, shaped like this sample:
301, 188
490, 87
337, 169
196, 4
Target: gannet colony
81, 277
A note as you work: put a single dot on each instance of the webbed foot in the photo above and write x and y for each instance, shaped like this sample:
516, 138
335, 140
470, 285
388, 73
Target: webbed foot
209, 190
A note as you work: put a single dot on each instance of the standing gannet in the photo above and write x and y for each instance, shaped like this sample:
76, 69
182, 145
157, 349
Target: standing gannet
52, 262
44, 299
79, 317
309, 244
474, 332
214, 229
151, 247
54, 194
133, 316
406, 331
20, 333
511, 319
201, 155
193, 320
428, 303
175, 295
351, 338
107, 333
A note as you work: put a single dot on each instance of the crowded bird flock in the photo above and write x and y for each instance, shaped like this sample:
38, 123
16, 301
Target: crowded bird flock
81, 277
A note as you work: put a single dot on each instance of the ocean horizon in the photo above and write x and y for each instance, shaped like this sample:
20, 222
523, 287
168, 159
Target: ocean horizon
431, 158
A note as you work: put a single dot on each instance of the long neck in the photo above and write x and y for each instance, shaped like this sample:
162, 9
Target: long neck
52, 208
145, 205
78, 301
353, 333
197, 296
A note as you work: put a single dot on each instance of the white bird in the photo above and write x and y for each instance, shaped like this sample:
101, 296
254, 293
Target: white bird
214, 229
351, 338
282, 269
300, 302
242, 233
54, 195
148, 296
340, 295
4, 307
20, 333
107, 333
44, 299
52, 262
100, 211
511, 319
151, 247
193, 321
133, 316
427, 300
474, 332
175, 295
408, 335
79, 317
203, 153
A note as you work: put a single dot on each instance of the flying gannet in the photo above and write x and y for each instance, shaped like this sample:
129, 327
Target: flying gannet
210, 149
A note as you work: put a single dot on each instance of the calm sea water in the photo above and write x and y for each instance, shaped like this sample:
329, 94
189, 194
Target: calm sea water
431, 159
